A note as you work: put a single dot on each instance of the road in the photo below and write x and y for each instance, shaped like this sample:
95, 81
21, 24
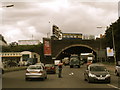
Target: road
16, 80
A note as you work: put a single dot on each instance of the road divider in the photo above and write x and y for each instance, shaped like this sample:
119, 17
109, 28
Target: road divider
113, 86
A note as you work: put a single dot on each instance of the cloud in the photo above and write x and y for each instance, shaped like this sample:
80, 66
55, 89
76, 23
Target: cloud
26, 19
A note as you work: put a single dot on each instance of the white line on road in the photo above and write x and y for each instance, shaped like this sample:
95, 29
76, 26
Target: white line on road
113, 86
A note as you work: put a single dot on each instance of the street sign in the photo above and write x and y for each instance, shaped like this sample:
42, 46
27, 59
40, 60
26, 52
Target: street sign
47, 47
109, 52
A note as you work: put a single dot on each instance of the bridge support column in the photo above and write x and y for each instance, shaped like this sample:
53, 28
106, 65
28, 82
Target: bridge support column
101, 55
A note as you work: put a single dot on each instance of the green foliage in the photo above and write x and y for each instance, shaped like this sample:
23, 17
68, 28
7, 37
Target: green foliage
109, 40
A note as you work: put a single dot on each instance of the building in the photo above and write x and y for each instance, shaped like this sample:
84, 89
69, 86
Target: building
57, 33
18, 56
71, 36
28, 42
88, 37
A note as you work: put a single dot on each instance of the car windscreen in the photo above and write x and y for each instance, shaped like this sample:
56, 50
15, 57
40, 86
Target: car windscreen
34, 67
49, 65
74, 59
97, 68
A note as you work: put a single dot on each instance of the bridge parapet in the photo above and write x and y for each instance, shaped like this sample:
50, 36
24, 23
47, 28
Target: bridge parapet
58, 45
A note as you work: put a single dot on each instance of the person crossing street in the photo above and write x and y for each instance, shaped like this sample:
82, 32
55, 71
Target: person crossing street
60, 66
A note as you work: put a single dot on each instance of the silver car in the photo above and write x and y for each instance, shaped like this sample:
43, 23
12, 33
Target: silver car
97, 72
35, 71
117, 70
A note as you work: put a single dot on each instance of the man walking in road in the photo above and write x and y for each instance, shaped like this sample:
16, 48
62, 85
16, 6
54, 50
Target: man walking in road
60, 69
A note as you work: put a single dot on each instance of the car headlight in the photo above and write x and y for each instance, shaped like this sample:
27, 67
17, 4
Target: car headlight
91, 75
108, 75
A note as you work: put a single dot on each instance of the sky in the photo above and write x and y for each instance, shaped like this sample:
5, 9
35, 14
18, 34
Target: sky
34, 20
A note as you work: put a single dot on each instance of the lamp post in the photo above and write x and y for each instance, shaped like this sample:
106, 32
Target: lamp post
49, 32
100, 45
113, 45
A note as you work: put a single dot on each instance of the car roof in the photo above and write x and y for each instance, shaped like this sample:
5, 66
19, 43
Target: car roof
34, 65
39, 63
96, 65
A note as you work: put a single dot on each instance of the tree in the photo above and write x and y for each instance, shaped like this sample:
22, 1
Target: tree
109, 40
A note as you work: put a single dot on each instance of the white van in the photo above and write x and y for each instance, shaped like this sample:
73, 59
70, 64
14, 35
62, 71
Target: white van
56, 62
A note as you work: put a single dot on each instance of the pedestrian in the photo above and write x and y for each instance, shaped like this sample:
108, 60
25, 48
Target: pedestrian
88, 63
60, 69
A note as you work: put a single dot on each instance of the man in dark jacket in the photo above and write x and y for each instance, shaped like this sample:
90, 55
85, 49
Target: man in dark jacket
60, 70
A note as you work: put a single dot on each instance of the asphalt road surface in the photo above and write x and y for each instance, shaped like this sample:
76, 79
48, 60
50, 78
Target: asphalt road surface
71, 78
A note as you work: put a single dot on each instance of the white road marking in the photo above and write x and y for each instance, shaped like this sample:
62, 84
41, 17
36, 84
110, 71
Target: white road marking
113, 86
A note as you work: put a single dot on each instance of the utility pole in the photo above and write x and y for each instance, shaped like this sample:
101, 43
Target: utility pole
114, 45
100, 49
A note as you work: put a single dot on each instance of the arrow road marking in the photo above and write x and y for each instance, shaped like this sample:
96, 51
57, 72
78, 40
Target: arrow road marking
113, 86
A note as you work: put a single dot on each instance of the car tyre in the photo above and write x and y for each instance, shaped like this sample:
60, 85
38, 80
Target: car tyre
109, 81
85, 78
26, 79
2, 71
71, 66
43, 78
46, 77
54, 72
89, 81
78, 66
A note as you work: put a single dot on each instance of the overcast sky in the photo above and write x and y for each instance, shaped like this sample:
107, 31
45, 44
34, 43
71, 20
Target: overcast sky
73, 16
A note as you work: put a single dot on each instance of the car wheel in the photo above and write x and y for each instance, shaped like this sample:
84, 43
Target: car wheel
26, 79
109, 81
46, 77
116, 73
71, 66
2, 71
89, 81
78, 66
54, 72
43, 78
85, 79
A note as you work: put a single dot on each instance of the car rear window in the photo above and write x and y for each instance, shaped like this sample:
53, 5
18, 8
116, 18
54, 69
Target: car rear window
34, 67
49, 65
